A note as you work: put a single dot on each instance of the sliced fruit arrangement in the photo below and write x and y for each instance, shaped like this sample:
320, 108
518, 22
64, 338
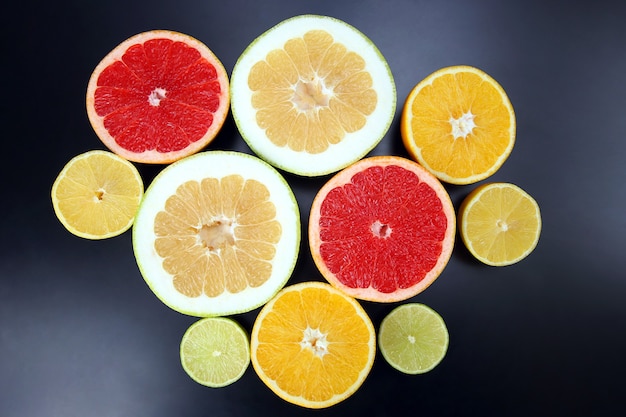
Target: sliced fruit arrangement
158, 96
382, 229
312, 95
313, 345
413, 338
217, 233
459, 124
215, 351
500, 223
97, 194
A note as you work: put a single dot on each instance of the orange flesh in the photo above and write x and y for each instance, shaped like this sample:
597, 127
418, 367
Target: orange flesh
443, 103
299, 368
311, 93
217, 235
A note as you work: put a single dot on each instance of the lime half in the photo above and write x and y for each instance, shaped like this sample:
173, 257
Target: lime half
413, 338
215, 351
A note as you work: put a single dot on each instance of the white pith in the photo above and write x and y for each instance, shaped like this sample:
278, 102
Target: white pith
380, 230
216, 234
311, 95
315, 340
462, 126
155, 97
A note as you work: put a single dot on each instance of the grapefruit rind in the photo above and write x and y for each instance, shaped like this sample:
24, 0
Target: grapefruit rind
216, 164
416, 152
153, 156
369, 293
354, 145
300, 400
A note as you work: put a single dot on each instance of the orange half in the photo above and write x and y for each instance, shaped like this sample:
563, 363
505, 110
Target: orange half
313, 345
459, 124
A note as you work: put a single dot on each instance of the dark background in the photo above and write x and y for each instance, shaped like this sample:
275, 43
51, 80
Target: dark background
82, 335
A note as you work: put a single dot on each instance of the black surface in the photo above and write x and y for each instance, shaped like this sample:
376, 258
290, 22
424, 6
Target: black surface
81, 334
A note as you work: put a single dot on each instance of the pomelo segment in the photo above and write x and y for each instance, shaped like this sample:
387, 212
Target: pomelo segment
382, 229
157, 97
312, 95
217, 233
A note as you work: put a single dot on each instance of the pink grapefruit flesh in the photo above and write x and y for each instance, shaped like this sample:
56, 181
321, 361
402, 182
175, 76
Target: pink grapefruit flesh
157, 97
382, 229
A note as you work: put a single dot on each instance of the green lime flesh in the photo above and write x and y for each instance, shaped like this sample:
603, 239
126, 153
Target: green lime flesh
413, 338
215, 351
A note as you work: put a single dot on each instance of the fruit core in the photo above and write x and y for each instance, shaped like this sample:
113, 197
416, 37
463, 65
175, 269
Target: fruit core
99, 195
156, 96
462, 126
310, 95
216, 234
315, 340
380, 230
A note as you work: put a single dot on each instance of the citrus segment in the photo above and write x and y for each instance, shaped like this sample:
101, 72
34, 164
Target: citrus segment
313, 345
459, 124
96, 195
382, 229
217, 233
157, 97
215, 351
500, 223
312, 95
413, 338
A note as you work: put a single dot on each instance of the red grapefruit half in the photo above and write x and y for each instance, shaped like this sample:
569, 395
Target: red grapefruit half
382, 229
157, 97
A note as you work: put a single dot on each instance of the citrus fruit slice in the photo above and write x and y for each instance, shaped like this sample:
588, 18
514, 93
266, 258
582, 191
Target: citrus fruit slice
312, 95
217, 233
96, 195
157, 97
382, 229
459, 124
215, 351
500, 223
413, 338
313, 345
